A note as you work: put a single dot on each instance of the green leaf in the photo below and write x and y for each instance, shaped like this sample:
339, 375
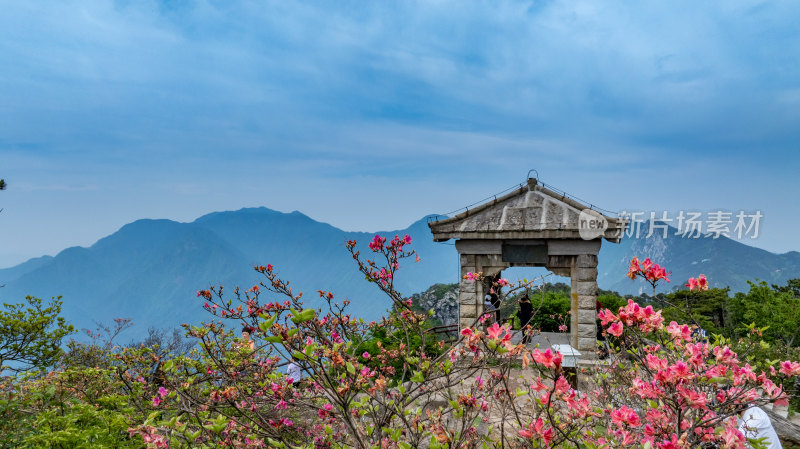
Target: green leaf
151, 417
274, 443
168, 365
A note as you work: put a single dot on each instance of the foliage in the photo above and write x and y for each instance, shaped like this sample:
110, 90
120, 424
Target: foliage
390, 336
792, 286
95, 394
778, 309
553, 307
78, 407
31, 334
705, 308
611, 300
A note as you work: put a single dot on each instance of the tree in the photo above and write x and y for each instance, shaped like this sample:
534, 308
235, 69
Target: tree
705, 308
765, 306
31, 334
792, 286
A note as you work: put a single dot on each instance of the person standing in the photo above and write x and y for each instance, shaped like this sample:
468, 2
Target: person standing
293, 371
246, 341
488, 309
525, 313
754, 423
492, 286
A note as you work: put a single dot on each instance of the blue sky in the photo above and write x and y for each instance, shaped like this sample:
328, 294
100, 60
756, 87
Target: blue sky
369, 115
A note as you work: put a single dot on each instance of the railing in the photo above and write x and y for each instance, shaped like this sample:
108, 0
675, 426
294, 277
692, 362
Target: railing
447, 333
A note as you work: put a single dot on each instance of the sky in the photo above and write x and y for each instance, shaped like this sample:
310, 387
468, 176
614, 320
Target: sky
370, 115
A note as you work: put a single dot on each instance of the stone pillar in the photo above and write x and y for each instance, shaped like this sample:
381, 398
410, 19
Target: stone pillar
584, 305
469, 306
471, 293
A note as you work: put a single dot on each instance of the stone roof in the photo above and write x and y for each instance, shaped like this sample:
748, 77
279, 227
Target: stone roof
530, 212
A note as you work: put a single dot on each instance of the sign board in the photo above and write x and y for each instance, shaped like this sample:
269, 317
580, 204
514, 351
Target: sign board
526, 253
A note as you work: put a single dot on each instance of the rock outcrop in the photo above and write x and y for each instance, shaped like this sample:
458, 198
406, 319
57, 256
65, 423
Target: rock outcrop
442, 299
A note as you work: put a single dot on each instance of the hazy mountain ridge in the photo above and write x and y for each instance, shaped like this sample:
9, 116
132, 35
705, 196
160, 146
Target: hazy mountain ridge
726, 262
150, 270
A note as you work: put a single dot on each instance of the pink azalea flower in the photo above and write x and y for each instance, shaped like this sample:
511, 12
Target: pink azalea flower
634, 268
679, 333
547, 358
377, 243
790, 368
606, 317
701, 283
625, 416
536, 429
494, 331
615, 329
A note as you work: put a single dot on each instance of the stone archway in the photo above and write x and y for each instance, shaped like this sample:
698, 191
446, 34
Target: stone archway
536, 227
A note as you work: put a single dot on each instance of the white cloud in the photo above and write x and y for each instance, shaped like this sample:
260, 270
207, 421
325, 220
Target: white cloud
443, 101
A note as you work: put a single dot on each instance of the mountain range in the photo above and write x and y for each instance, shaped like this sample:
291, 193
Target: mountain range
150, 270
726, 262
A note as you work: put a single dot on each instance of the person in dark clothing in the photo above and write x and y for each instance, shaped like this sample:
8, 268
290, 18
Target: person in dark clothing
525, 313
494, 297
